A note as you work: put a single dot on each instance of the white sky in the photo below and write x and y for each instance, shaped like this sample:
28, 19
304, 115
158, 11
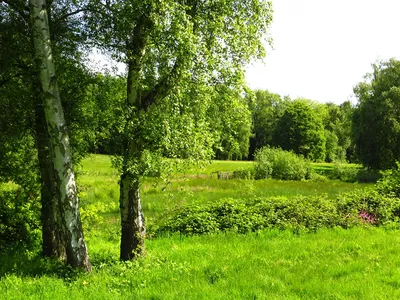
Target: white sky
322, 48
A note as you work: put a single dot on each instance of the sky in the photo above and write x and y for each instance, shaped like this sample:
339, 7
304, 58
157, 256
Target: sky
323, 48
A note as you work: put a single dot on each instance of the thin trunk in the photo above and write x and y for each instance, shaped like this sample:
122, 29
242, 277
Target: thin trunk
62, 170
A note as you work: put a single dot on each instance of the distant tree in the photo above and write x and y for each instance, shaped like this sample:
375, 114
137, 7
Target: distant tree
337, 124
231, 124
376, 121
266, 109
300, 129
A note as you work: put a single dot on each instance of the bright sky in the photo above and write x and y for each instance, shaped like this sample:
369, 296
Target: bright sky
322, 48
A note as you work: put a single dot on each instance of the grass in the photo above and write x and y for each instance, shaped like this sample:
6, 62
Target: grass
360, 263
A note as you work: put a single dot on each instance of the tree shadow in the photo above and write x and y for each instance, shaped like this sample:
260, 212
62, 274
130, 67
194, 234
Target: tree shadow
24, 264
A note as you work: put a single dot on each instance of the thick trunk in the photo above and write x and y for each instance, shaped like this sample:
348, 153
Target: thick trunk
52, 241
132, 219
61, 160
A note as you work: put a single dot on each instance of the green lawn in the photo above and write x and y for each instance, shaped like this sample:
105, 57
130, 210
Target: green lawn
361, 263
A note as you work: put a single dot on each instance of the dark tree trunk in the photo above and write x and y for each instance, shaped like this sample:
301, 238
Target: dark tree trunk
132, 219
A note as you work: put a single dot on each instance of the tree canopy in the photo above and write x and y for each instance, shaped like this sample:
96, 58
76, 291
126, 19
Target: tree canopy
376, 121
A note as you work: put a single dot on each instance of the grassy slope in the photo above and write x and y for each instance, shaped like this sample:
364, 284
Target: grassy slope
331, 264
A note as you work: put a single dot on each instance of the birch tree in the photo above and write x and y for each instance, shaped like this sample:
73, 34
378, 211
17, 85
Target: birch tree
62, 174
175, 53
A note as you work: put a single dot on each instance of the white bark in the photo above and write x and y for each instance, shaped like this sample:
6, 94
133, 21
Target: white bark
59, 139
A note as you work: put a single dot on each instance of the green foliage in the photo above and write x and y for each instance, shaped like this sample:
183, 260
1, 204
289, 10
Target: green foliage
266, 109
376, 121
337, 124
230, 121
300, 129
389, 184
342, 172
279, 164
297, 214
19, 220
381, 209
244, 174
300, 213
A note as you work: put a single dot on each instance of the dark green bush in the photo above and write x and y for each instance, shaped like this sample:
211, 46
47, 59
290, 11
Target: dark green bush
299, 213
344, 173
19, 219
389, 184
379, 208
279, 164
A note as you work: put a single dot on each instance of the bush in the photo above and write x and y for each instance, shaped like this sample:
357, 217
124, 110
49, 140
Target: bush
280, 164
243, 174
369, 206
19, 219
341, 172
389, 184
300, 213
344, 173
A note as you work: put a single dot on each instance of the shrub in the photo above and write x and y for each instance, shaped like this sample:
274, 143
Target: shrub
389, 184
279, 164
356, 206
243, 174
19, 219
300, 213
341, 172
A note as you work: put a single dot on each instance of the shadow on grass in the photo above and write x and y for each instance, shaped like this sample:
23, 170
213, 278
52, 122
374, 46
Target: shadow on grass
25, 264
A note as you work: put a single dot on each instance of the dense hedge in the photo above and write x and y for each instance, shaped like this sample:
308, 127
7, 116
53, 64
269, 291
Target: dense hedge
377, 206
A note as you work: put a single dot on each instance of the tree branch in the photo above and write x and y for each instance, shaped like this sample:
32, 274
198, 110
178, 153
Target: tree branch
19, 7
163, 86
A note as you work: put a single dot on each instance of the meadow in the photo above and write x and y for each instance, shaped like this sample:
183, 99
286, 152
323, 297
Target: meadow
357, 263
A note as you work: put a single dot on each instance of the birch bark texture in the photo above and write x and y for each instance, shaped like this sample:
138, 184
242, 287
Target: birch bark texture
63, 174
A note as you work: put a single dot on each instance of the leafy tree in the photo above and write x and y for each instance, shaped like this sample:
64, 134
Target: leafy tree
231, 124
300, 129
337, 124
376, 121
266, 109
176, 52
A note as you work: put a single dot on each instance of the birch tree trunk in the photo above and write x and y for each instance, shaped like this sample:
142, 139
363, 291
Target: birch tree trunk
62, 170
52, 240
132, 219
